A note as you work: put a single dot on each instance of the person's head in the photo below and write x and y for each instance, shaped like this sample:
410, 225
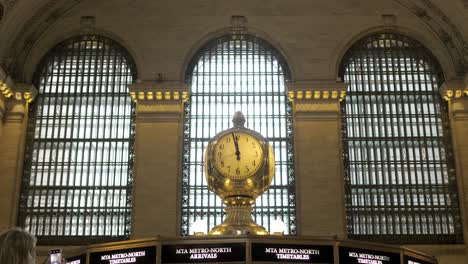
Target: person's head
17, 246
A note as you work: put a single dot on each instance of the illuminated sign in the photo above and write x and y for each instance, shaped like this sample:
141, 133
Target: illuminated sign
81, 259
292, 253
364, 256
412, 260
195, 253
142, 255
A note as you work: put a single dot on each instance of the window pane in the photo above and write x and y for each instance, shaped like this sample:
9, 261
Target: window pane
79, 157
400, 177
232, 73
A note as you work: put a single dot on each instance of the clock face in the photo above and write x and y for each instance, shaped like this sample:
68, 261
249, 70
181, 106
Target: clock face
238, 155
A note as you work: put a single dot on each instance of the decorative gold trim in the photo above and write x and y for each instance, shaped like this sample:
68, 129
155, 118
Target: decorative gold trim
450, 94
316, 95
454, 89
16, 91
18, 96
159, 92
316, 90
160, 95
5, 90
24, 92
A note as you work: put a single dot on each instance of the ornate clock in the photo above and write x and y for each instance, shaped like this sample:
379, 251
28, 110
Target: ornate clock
239, 166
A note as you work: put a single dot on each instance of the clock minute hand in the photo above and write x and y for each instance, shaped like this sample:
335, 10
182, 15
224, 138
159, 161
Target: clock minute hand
236, 145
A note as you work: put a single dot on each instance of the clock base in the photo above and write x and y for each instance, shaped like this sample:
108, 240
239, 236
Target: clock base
238, 221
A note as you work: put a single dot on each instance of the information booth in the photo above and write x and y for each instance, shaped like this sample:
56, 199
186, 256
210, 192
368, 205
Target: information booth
247, 249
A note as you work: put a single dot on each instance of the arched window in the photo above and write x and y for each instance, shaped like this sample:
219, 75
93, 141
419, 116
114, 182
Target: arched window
399, 170
231, 73
79, 151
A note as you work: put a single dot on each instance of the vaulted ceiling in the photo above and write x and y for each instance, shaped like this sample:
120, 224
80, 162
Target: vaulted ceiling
24, 22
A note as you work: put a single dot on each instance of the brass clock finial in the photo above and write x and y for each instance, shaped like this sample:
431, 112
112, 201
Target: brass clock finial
239, 167
238, 120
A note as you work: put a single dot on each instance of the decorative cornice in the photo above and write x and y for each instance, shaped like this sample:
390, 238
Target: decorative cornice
159, 92
19, 91
454, 89
316, 90
456, 93
159, 101
24, 92
6, 87
316, 100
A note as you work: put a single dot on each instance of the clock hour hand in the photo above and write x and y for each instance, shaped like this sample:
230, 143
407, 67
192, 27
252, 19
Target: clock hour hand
236, 145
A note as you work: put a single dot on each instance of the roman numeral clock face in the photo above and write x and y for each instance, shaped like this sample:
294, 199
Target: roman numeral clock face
238, 155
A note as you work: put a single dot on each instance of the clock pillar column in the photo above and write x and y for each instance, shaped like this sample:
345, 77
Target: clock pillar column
158, 146
14, 104
318, 157
456, 94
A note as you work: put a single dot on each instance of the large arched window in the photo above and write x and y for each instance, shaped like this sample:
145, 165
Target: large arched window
231, 73
399, 169
78, 168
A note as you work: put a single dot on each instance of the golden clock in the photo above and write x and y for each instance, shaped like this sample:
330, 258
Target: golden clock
239, 162
238, 155
239, 166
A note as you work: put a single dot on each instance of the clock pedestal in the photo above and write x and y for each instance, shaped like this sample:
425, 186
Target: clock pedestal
238, 219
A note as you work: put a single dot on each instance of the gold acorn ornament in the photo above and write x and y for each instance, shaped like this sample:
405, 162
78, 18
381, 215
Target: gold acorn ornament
239, 167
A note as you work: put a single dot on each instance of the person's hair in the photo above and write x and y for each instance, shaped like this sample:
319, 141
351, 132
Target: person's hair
16, 246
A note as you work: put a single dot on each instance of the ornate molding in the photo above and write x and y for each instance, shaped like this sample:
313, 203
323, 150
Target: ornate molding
159, 101
6, 85
456, 93
316, 100
33, 29
24, 92
454, 89
16, 91
16, 107
302, 91
14, 99
444, 28
159, 92
450, 94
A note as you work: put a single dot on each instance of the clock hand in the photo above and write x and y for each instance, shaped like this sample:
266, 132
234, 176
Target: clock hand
236, 145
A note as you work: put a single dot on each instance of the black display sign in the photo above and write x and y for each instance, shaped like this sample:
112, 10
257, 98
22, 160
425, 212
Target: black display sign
81, 259
412, 260
141, 255
196, 253
364, 256
292, 253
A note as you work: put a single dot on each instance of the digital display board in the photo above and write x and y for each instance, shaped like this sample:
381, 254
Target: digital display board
140, 255
292, 253
364, 256
412, 260
81, 259
196, 253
